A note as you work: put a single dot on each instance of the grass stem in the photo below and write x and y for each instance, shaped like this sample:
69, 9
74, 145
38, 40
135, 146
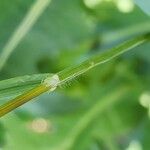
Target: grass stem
34, 13
68, 74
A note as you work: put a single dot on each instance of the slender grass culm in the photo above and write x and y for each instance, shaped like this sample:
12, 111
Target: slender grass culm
24, 27
53, 81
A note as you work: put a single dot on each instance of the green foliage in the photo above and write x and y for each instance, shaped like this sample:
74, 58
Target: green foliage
99, 110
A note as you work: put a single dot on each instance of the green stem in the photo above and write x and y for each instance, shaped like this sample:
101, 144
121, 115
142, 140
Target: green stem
20, 100
34, 13
68, 74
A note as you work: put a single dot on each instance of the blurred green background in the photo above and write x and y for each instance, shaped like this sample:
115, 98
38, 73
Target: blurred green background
89, 113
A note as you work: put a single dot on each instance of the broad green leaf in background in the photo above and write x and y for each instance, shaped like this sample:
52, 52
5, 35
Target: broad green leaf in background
144, 5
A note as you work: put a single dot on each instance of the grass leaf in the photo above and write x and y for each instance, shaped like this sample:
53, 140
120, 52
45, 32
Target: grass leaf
13, 87
50, 83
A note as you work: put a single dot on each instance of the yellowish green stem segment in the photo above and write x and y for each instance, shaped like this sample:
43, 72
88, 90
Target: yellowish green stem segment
50, 83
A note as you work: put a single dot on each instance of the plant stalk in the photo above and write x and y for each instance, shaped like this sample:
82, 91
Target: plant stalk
69, 74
